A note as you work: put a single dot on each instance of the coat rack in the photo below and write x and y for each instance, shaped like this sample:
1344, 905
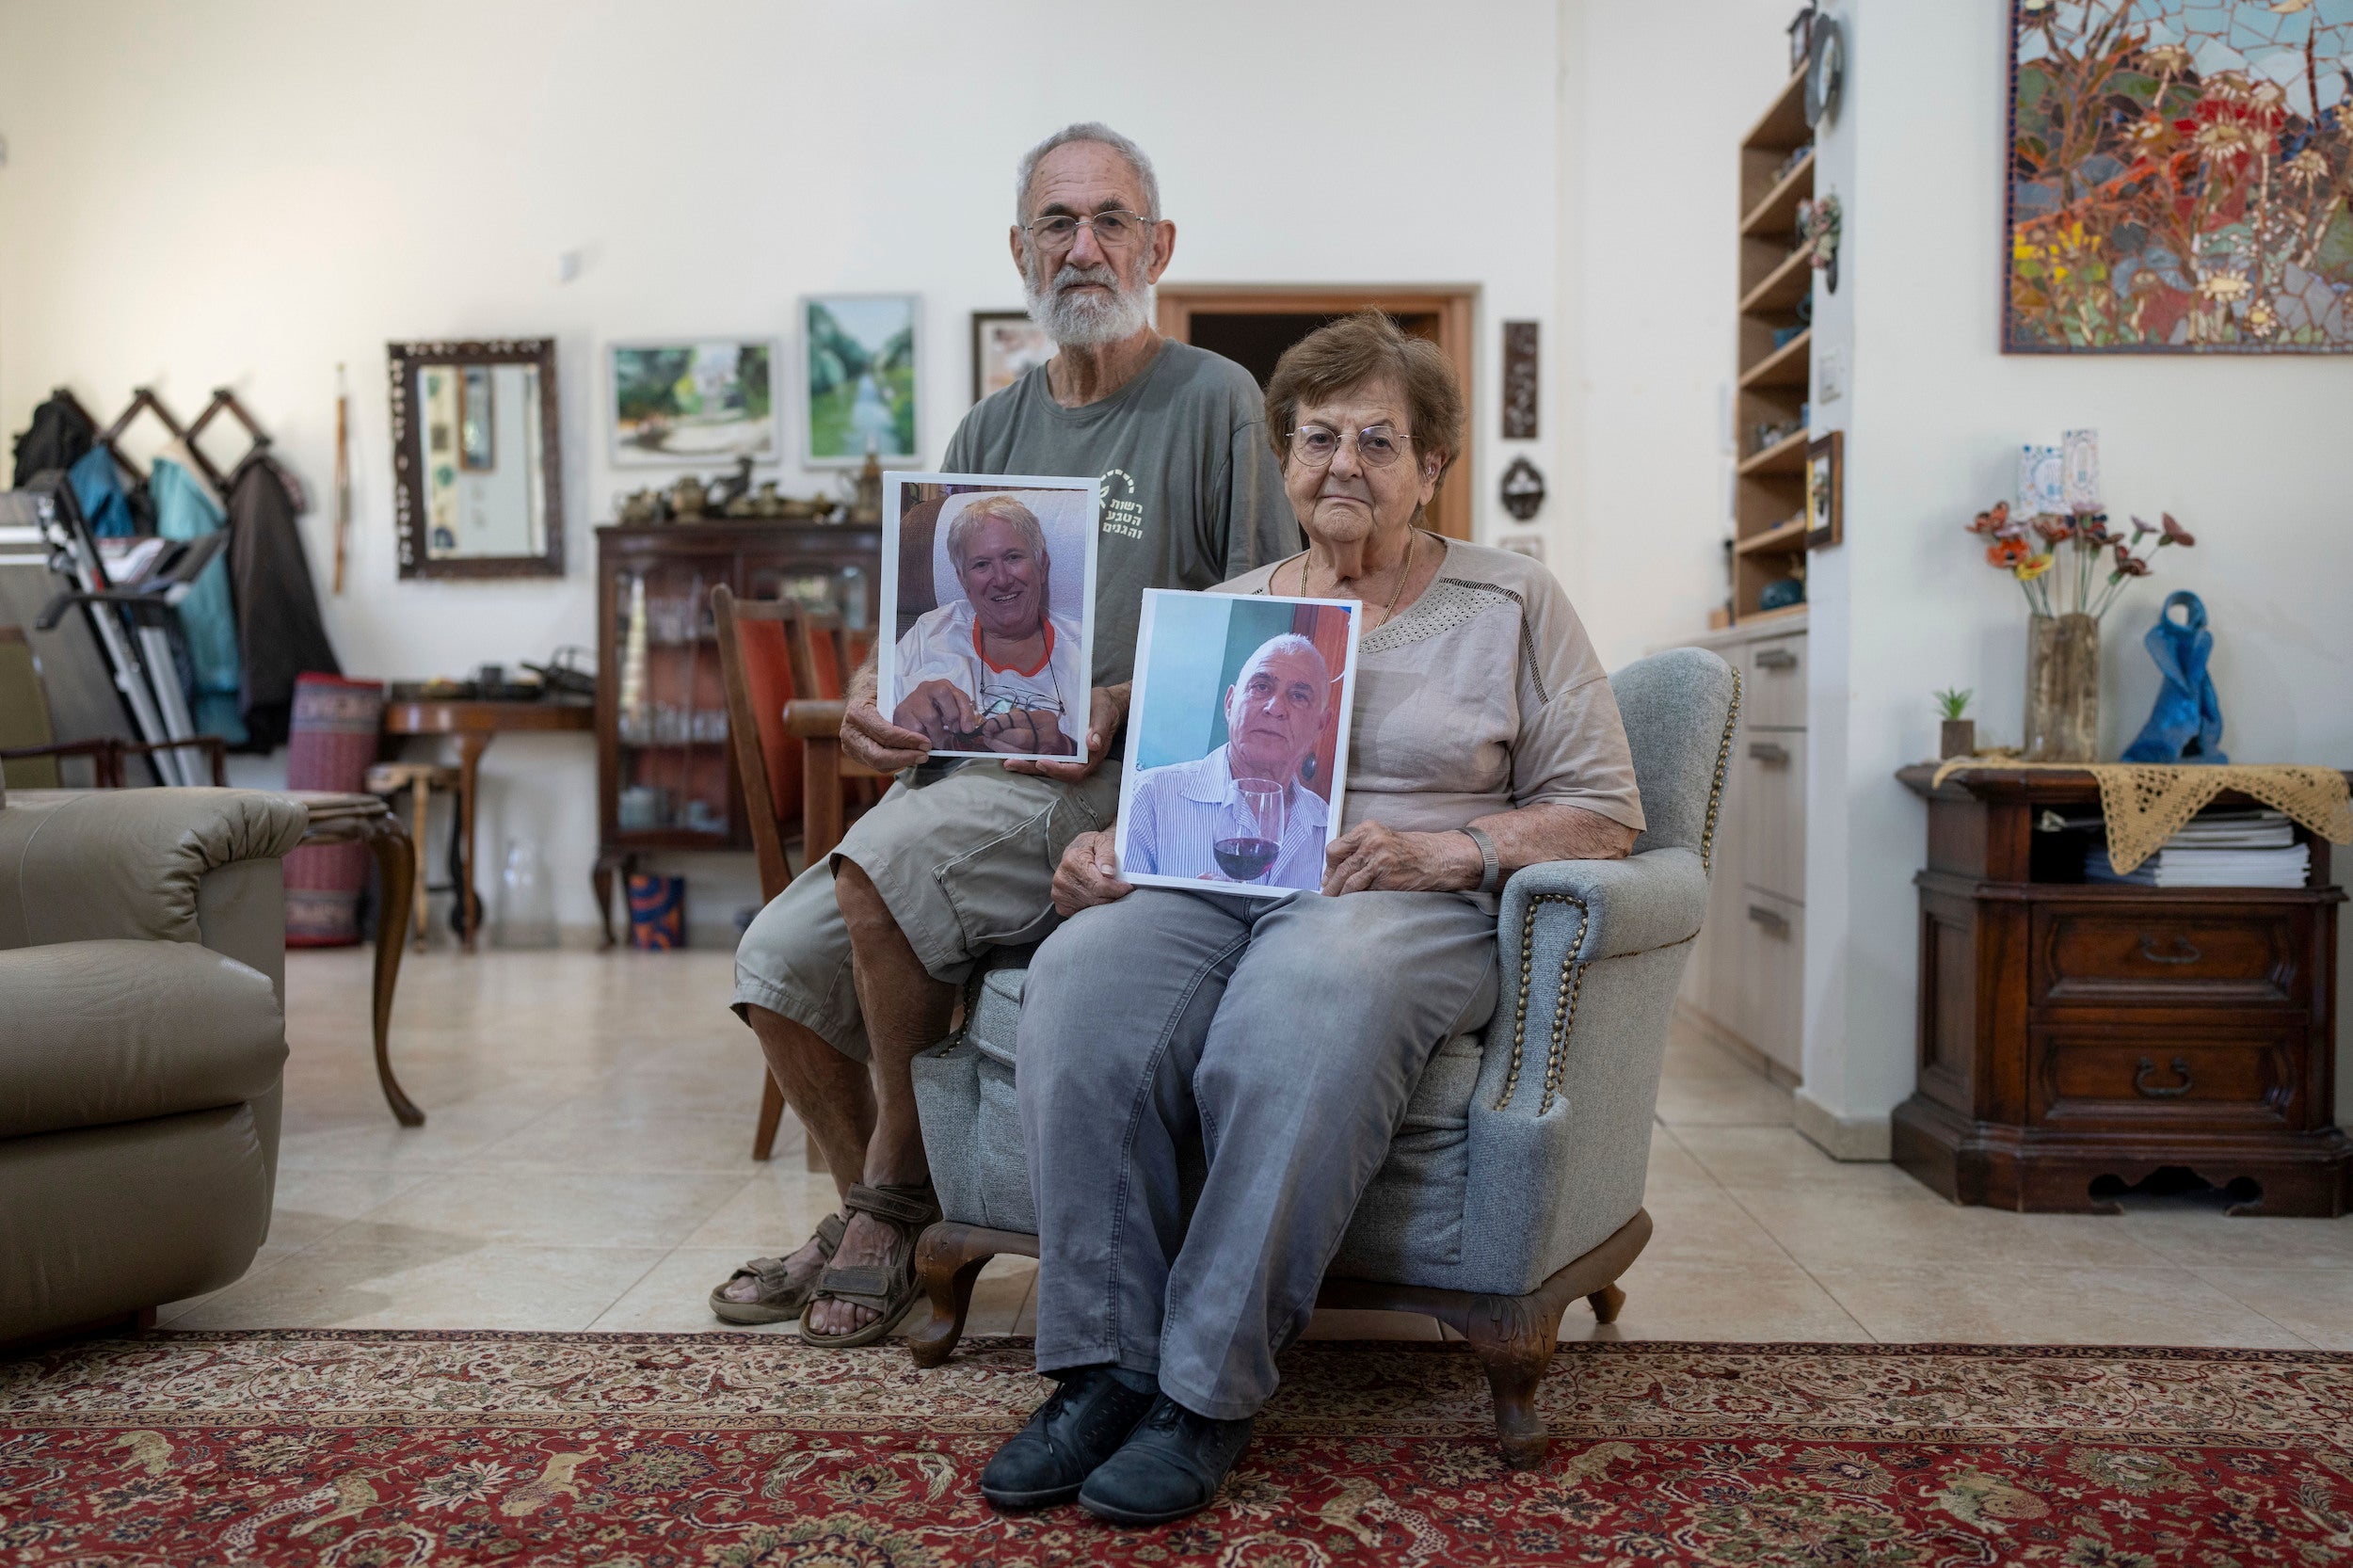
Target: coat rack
144, 400
225, 402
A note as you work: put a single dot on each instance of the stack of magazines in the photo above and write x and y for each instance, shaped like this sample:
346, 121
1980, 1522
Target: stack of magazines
2221, 848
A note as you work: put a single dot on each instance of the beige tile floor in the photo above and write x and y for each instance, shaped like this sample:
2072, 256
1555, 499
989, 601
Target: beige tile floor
586, 1165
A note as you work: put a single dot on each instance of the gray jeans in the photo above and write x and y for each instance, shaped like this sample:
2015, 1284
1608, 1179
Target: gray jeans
1264, 1049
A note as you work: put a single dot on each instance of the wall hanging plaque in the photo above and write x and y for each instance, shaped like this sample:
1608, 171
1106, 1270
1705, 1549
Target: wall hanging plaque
1519, 380
1523, 489
2178, 178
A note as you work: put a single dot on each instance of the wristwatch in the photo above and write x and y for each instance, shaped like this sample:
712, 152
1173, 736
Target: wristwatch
1491, 868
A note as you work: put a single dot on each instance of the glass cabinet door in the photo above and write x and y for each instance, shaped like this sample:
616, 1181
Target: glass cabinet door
848, 588
672, 712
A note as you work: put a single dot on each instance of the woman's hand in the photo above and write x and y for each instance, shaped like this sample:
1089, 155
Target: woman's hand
1369, 857
1089, 873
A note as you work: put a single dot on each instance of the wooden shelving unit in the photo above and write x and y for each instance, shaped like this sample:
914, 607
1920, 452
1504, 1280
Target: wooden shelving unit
1772, 378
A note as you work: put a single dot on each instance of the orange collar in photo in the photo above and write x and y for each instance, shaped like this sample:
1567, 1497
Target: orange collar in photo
1043, 660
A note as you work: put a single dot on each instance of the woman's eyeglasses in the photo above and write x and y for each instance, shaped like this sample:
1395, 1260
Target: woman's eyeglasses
1113, 231
1377, 445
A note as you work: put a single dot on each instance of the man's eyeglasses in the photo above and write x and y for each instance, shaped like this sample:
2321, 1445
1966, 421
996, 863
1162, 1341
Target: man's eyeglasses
1377, 445
1113, 231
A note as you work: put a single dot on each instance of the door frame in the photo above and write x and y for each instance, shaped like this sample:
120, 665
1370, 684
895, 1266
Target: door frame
1455, 305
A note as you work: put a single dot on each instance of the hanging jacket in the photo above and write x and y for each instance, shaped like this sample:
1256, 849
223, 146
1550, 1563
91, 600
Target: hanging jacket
98, 485
59, 436
185, 509
279, 631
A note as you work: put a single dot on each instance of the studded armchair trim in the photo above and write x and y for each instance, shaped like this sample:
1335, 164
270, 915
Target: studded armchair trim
1571, 975
1716, 790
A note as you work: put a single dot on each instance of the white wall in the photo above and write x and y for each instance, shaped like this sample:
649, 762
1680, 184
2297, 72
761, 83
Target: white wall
1649, 256
2251, 453
250, 191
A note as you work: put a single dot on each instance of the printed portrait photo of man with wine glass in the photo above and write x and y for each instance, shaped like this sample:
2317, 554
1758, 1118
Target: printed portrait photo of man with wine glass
1238, 742
989, 611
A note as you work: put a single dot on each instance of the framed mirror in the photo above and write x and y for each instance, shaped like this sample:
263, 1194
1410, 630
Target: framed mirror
477, 466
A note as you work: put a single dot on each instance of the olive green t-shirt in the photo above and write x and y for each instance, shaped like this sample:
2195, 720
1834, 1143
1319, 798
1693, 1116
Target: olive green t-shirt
1191, 493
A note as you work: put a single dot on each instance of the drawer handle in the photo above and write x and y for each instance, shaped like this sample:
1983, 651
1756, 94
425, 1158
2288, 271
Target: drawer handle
2184, 952
1765, 751
1776, 659
1768, 918
2158, 1092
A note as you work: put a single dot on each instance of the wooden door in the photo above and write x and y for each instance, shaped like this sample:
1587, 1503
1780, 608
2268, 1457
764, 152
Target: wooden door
1251, 325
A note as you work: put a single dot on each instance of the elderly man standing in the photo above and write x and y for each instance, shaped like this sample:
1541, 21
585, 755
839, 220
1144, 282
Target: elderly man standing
857, 963
1198, 819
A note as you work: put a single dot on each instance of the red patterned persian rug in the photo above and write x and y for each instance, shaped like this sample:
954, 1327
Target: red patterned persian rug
388, 1451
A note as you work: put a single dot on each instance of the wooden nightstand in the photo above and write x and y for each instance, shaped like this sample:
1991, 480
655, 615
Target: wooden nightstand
2075, 1033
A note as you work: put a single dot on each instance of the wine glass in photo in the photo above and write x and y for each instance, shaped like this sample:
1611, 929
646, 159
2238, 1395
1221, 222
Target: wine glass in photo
1248, 853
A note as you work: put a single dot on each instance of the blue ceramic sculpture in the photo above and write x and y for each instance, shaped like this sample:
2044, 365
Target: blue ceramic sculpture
2185, 726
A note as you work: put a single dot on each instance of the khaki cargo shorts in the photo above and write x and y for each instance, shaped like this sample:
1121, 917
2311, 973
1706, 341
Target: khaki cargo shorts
966, 863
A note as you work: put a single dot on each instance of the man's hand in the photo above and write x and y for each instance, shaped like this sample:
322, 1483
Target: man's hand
870, 739
1089, 873
1369, 857
937, 710
1104, 711
1026, 732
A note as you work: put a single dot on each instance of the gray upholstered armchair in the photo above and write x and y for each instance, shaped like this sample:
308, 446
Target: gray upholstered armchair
1515, 1184
142, 1038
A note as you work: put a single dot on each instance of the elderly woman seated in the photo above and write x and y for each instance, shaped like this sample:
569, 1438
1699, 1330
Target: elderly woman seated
1266, 1049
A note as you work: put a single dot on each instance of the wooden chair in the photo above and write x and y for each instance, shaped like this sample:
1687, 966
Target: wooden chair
785, 668
106, 754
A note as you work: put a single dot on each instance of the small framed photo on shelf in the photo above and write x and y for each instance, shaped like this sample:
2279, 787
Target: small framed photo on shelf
858, 378
988, 607
1826, 491
1006, 345
693, 400
1236, 741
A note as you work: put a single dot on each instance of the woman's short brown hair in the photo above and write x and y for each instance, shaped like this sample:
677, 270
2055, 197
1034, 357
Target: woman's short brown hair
1367, 346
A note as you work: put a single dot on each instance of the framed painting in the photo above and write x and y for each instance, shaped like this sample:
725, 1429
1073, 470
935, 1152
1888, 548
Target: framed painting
693, 400
1006, 345
2181, 177
858, 378
1826, 491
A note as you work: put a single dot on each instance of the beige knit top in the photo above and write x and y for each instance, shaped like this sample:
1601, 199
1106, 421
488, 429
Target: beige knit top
1481, 695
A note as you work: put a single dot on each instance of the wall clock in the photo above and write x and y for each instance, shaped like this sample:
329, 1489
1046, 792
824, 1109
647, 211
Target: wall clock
1825, 69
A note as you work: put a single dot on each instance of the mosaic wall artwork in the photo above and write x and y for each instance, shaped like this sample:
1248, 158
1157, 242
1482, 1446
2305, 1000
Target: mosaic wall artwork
2181, 177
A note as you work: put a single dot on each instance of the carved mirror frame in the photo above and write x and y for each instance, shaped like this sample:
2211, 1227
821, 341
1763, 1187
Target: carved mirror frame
408, 509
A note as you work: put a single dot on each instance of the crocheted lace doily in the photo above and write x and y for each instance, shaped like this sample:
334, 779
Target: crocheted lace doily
2146, 803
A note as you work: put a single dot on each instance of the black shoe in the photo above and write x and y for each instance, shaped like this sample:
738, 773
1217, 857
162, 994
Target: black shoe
1083, 1424
1171, 1467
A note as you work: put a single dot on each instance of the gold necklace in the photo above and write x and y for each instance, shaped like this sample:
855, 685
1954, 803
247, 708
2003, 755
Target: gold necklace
1403, 573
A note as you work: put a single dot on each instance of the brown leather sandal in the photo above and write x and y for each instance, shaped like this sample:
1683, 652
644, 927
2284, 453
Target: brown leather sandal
782, 1297
889, 1290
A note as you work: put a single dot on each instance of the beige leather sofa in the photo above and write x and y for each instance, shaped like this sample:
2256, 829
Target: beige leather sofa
142, 1038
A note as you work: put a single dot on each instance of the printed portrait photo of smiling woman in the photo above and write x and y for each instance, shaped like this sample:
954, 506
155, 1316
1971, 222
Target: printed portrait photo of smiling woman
991, 614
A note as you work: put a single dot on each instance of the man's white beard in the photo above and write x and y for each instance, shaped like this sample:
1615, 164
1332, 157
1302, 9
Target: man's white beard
1085, 320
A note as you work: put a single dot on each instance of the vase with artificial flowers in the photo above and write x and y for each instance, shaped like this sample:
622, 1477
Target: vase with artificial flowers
2071, 566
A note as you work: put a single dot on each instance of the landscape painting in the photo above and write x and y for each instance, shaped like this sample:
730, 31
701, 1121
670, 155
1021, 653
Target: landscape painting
2181, 177
859, 351
695, 401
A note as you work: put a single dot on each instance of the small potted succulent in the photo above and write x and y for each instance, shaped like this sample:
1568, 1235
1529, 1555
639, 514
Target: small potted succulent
1960, 737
